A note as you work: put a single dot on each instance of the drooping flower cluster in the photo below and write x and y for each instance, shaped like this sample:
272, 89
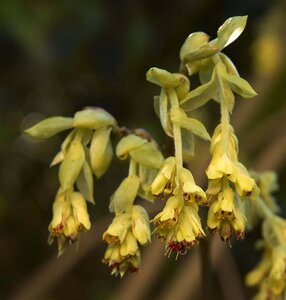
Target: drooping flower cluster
232, 194
178, 224
229, 184
130, 225
86, 150
270, 273
70, 217
229, 180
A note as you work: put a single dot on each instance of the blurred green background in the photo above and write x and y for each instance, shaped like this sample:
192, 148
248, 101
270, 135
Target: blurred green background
57, 57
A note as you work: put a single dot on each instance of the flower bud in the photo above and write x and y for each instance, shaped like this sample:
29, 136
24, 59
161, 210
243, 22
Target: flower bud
101, 151
170, 214
93, 118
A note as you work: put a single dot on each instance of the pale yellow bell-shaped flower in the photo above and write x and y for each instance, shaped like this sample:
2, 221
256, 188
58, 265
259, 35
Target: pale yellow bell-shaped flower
140, 224
129, 246
221, 163
232, 142
164, 180
80, 212
117, 230
191, 191
214, 187
61, 211
170, 214
225, 215
189, 227
112, 255
186, 232
71, 230
120, 264
244, 184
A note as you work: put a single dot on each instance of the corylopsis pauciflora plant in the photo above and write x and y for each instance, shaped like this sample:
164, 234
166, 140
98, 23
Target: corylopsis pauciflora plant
235, 198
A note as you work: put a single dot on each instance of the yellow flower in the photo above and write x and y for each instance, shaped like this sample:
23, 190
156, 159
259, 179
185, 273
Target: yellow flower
117, 230
221, 163
179, 225
186, 232
170, 214
164, 181
80, 213
191, 191
70, 217
244, 184
61, 212
225, 215
122, 257
140, 224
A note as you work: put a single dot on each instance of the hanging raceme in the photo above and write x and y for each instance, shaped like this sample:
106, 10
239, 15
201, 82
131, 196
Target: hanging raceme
79, 158
236, 199
130, 225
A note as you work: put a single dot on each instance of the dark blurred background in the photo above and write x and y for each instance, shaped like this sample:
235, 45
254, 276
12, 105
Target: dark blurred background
57, 57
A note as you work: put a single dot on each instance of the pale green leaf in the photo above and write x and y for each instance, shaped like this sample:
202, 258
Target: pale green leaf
101, 152
229, 31
179, 117
50, 127
200, 95
148, 155
240, 86
93, 118
72, 165
123, 198
85, 182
